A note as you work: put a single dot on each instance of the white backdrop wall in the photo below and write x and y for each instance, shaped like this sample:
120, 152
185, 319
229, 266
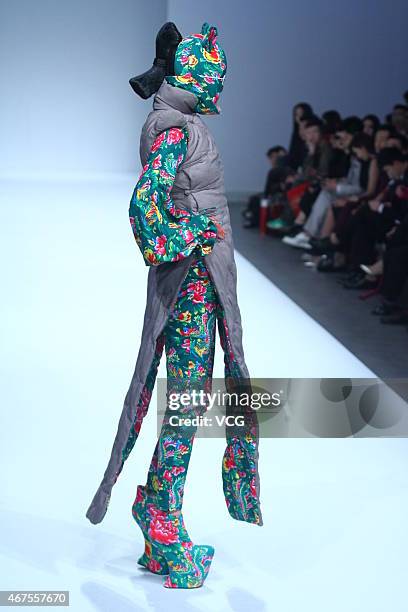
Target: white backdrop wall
65, 102
349, 55
66, 106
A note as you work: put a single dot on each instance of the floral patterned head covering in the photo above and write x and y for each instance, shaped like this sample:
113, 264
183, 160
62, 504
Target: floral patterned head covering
200, 65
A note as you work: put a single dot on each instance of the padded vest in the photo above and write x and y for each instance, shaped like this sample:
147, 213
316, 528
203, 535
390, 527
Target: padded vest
199, 182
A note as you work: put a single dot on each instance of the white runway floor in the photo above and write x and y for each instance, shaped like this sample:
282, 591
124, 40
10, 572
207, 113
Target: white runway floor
335, 530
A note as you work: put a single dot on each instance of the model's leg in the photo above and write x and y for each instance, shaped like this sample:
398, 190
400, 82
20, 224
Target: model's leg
189, 342
151, 558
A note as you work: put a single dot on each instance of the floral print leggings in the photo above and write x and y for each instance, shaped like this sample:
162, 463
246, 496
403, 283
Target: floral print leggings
189, 340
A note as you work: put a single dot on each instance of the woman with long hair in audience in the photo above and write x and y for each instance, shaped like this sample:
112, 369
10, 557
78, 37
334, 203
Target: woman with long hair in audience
371, 123
297, 147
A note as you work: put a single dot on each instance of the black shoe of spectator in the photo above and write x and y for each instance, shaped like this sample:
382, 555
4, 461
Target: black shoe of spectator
327, 263
398, 318
383, 310
294, 230
322, 245
349, 276
360, 283
247, 224
356, 277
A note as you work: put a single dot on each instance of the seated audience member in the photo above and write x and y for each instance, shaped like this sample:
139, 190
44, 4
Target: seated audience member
382, 135
277, 157
314, 168
331, 189
339, 164
297, 147
317, 161
399, 142
331, 123
340, 158
395, 276
378, 220
399, 119
339, 214
371, 123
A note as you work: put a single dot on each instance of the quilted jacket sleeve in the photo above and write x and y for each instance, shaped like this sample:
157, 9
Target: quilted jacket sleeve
163, 232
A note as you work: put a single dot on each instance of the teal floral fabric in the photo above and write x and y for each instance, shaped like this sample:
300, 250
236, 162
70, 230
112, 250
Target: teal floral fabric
163, 232
189, 344
200, 66
168, 546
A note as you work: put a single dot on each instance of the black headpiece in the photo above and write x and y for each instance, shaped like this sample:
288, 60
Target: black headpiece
167, 41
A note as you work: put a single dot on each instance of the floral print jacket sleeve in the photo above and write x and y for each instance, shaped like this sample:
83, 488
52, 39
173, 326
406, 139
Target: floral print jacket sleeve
163, 232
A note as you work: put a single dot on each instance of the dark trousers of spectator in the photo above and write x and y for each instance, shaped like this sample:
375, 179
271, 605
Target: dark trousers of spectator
361, 233
344, 220
308, 199
395, 272
254, 205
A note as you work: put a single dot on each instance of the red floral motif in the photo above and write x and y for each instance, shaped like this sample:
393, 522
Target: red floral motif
183, 449
198, 292
167, 475
186, 345
158, 142
187, 235
164, 174
156, 163
174, 135
160, 246
252, 487
154, 566
229, 459
162, 530
177, 469
151, 257
139, 496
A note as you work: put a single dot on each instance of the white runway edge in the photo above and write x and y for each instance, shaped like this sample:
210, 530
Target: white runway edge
73, 296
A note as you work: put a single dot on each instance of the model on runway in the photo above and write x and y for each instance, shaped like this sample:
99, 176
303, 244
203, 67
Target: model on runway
180, 220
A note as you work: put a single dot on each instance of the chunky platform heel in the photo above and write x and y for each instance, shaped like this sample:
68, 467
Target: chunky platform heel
151, 558
188, 564
192, 570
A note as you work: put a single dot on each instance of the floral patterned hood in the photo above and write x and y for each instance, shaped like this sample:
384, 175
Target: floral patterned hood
200, 65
